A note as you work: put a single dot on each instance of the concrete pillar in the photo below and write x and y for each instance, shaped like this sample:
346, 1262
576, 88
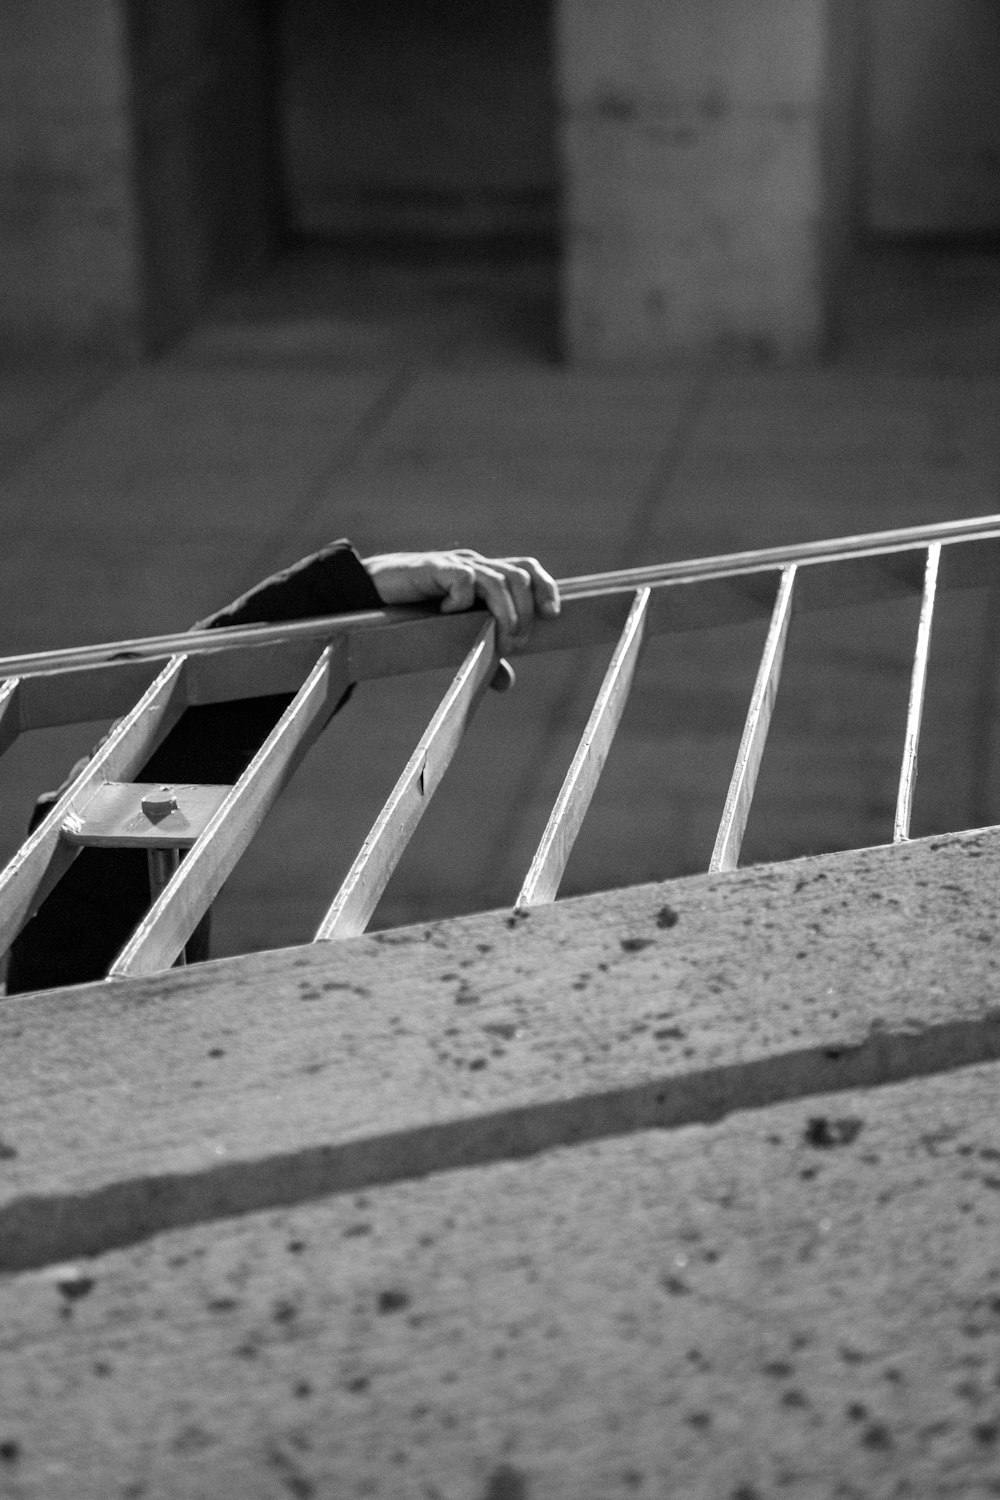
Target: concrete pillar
135, 168
68, 260
707, 173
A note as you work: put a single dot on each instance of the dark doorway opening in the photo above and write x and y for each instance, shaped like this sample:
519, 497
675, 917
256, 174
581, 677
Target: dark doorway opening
419, 124
296, 157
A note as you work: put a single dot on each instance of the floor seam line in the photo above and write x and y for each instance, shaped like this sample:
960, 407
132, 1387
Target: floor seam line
75, 406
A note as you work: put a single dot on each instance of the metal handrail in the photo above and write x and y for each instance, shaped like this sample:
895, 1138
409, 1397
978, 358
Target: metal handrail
88, 682
583, 586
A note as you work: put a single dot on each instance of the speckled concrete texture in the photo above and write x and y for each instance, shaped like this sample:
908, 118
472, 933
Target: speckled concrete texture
132, 1107
686, 1190
802, 1300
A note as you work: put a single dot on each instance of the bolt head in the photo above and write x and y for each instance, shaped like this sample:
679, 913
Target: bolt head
157, 805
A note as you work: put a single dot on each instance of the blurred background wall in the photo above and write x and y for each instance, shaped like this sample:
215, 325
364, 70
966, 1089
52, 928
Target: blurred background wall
69, 228
933, 124
433, 119
701, 164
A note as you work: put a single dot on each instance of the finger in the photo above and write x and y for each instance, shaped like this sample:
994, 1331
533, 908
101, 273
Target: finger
492, 589
522, 594
503, 678
544, 586
457, 582
468, 582
520, 571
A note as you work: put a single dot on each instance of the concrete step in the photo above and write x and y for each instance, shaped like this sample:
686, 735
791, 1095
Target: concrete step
690, 1189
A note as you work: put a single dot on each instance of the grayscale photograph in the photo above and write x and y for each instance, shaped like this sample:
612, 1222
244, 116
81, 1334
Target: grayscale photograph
500, 733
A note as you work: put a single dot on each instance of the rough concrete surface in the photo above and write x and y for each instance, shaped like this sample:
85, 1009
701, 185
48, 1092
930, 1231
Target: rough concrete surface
133, 1106
802, 1300
686, 1190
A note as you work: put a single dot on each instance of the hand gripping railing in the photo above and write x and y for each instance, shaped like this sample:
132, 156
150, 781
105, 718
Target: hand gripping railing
215, 824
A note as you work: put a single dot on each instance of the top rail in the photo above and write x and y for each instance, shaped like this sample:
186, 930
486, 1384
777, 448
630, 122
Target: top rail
766, 559
585, 586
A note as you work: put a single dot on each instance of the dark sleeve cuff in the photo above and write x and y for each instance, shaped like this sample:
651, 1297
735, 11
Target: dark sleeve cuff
331, 581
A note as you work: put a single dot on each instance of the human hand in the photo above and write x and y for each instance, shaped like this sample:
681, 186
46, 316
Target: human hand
514, 589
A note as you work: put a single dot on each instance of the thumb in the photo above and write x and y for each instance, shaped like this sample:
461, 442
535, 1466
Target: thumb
503, 678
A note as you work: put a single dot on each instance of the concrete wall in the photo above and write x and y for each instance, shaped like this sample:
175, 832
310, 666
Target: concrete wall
135, 170
693, 136
419, 118
68, 271
934, 125
707, 151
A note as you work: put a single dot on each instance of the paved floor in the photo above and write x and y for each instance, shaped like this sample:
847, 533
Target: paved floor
408, 407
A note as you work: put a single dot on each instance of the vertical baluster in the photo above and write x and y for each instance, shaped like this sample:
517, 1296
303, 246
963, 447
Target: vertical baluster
352, 907
10, 712
44, 856
542, 880
180, 906
729, 839
915, 708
